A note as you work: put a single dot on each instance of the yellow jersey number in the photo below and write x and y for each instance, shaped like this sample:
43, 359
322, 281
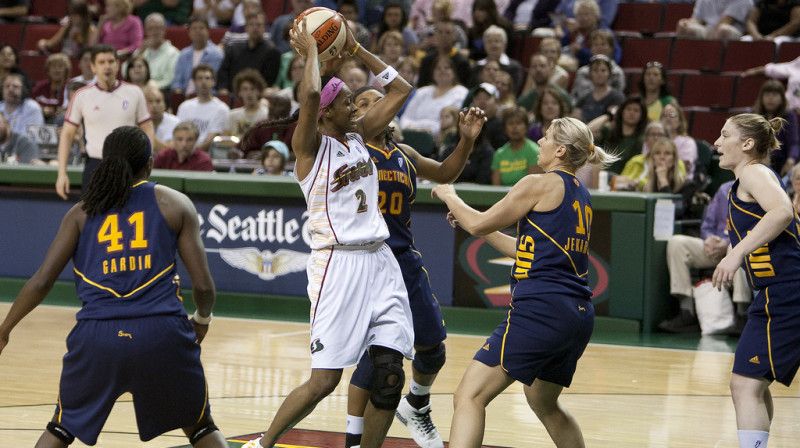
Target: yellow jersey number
395, 202
110, 234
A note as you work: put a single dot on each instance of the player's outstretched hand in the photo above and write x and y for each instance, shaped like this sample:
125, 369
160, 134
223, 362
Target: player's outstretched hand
470, 125
443, 191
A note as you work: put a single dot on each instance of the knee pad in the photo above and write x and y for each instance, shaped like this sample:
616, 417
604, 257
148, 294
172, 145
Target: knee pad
430, 362
60, 433
387, 377
202, 432
362, 376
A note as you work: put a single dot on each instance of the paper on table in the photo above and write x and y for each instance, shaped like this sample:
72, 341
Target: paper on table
664, 219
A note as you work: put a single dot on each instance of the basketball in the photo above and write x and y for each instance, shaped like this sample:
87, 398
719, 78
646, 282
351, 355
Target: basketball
327, 28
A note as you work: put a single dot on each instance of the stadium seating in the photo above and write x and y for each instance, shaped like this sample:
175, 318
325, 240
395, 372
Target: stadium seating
638, 52
644, 18
707, 90
672, 13
422, 141
697, 55
33, 66
275, 8
788, 51
12, 34
179, 36
36, 31
747, 90
48, 9
705, 124
741, 55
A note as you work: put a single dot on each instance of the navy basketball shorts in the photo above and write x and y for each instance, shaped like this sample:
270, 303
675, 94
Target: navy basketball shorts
429, 329
154, 358
542, 338
769, 346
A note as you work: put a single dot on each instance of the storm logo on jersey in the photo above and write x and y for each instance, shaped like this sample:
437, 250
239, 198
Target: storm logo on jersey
346, 174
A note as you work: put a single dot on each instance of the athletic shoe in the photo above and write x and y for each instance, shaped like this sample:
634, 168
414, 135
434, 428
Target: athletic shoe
253, 443
419, 424
684, 322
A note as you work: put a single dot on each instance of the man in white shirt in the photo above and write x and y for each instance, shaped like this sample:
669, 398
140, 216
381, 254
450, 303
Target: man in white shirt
20, 110
163, 121
101, 107
206, 111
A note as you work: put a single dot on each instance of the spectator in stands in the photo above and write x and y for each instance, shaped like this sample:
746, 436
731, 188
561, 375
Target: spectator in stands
295, 73
423, 13
775, 20
548, 106
635, 172
567, 11
540, 72
390, 49
160, 54
9, 62
448, 125
75, 34
771, 103
528, 15
354, 75
494, 42
120, 28
715, 19
602, 97
163, 121
86, 75
281, 22
602, 42
551, 47
13, 9
478, 169
409, 70
247, 86
254, 53
576, 33
274, 157
395, 18
219, 13
486, 97
49, 92
625, 132
184, 155
176, 12
655, 89
444, 35
484, 15
349, 10
232, 36
422, 111
506, 89
519, 157
137, 71
674, 120
240, 11
206, 111
20, 110
201, 51
15, 147
685, 252
785, 70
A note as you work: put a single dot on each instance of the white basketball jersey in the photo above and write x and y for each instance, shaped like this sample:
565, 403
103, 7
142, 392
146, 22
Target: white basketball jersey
342, 195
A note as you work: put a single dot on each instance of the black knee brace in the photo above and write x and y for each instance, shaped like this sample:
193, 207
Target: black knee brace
388, 377
430, 362
202, 432
60, 433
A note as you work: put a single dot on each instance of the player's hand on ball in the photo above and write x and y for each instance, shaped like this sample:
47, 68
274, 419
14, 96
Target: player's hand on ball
350, 43
302, 40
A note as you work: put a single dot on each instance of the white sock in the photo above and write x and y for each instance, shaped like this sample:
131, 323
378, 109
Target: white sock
753, 439
355, 425
418, 389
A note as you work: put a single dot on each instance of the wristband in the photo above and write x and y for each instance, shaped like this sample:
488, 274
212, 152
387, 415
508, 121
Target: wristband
353, 53
386, 76
198, 319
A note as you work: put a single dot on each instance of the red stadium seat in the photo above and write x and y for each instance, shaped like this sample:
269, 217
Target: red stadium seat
747, 90
706, 124
529, 46
12, 34
673, 12
33, 66
741, 55
216, 34
789, 51
50, 9
696, 55
36, 31
275, 8
706, 90
638, 52
644, 18
179, 36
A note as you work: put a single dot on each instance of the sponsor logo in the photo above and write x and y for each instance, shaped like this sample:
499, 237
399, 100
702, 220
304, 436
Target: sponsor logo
316, 346
485, 347
122, 334
264, 263
755, 360
340, 154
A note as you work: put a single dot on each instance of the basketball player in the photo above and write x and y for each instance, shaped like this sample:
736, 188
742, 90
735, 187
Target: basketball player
399, 166
763, 229
132, 333
101, 107
551, 316
349, 313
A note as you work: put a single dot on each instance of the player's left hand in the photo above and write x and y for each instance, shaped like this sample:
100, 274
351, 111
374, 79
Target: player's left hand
200, 331
723, 274
301, 39
350, 43
452, 220
470, 125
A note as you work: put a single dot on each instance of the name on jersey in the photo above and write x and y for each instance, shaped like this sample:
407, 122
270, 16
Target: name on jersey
580, 245
394, 176
346, 174
126, 264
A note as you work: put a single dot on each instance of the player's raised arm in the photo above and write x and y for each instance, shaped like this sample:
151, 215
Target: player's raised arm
306, 138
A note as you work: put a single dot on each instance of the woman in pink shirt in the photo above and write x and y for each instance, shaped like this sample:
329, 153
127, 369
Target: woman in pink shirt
120, 29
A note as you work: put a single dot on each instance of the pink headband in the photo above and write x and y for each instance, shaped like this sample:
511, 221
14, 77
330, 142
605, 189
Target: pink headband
329, 92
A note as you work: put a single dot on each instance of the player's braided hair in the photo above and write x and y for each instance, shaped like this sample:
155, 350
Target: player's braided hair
125, 152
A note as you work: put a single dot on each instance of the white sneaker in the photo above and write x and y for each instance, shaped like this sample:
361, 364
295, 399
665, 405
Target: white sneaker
419, 424
255, 443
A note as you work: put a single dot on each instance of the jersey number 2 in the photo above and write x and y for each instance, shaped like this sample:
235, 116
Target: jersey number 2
112, 236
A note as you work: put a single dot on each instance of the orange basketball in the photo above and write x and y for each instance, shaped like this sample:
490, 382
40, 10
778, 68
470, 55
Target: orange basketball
327, 28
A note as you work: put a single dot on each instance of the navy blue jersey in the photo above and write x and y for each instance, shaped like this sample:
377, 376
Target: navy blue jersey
125, 261
397, 176
553, 246
775, 262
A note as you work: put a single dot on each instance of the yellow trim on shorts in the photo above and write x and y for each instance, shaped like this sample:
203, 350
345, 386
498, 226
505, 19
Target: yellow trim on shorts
503, 346
769, 339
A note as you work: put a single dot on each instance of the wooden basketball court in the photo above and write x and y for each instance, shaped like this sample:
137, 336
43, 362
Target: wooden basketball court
623, 396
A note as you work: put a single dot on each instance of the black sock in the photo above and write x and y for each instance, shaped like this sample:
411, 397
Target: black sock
418, 401
351, 440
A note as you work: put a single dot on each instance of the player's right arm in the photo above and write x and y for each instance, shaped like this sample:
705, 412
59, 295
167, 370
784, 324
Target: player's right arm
306, 138
36, 288
181, 216
64, 145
